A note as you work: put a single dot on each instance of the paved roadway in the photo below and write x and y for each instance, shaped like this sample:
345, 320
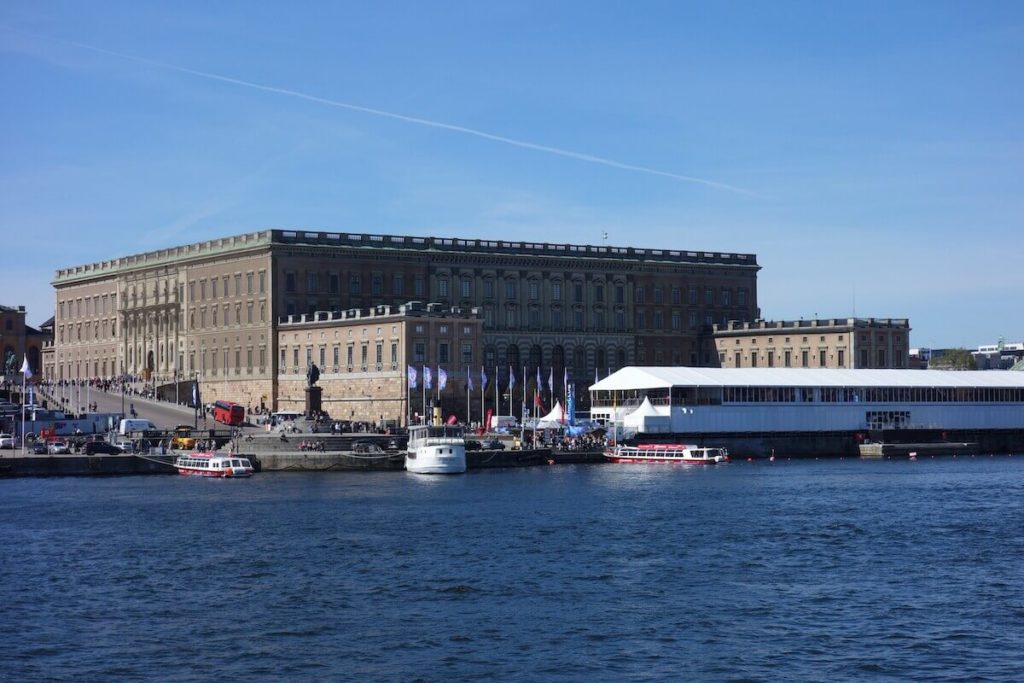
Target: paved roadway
164, 415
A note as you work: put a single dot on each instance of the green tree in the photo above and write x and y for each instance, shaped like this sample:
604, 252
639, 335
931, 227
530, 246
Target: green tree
954, 359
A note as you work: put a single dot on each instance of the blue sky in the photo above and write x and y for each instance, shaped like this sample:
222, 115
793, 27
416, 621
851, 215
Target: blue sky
870, 154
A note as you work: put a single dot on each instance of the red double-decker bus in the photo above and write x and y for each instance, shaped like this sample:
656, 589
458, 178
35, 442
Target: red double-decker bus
228, 413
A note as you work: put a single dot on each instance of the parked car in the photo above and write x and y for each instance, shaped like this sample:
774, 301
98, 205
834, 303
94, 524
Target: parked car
96, 447
473, 445
493, 445
6, 441
39, 448
57, 448
125, 445
398, 443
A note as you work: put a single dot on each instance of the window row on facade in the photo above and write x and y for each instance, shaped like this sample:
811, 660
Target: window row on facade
222, 286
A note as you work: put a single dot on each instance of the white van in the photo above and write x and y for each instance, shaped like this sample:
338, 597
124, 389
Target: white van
502, 422
134, 425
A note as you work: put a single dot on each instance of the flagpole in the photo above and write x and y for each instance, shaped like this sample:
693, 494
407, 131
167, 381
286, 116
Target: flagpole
423, 388
23, 408
468, 416
483, 397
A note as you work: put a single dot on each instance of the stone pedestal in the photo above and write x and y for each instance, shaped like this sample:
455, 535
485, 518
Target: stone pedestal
313, 398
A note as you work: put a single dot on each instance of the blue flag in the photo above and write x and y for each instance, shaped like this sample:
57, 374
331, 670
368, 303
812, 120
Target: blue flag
483, 379
428, 378
411, 372
469, 380
511, 378
442, 379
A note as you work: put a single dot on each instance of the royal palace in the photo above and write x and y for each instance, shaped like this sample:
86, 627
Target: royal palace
243, 314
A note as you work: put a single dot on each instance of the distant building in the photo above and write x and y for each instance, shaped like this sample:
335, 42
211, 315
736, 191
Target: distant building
364, 357
820, 343
999, 356
211, 309
19, 340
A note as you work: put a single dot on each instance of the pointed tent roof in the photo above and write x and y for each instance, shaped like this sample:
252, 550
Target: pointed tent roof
552, 419
645, 408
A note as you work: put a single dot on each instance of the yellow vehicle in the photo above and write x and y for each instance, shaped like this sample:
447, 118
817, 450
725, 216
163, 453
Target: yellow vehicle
183, 438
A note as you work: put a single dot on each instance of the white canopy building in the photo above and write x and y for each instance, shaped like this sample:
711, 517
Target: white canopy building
775, 400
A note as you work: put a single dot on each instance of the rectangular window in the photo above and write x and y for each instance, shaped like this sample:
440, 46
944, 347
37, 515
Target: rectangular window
289, 282
348, 358
803, 359
821, 358
753, 359
577, 288
556, 319
788, 359
741, 297
534, 289
333, 283
213, 288
488, 289
394, 355
638, 295
238, 284
364, 353
442, 288
248, 283
417, 286
881, 358
692, 296
677, 320
419, 352
467, 353
337, 355
398, 284
738, 360
380, 354
864, 358
842, 358
620, 294
323, 356
510, 289
556, 291
658, 295
726, 296
578, 319
467, 290
248, 359
377, 285
771, 359
355, 285
263, 282
599, 293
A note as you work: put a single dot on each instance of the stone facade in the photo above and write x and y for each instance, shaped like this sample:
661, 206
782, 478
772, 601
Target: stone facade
210, 310
827, 343
364, 357
19, 341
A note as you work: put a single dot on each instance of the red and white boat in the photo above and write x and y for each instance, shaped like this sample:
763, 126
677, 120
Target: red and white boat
214, 465
659, 453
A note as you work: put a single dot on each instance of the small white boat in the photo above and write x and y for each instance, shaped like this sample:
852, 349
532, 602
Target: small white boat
439, 449
225, 466
666, 453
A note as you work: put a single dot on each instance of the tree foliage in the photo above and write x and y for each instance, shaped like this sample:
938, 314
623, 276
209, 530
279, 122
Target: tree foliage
954, 359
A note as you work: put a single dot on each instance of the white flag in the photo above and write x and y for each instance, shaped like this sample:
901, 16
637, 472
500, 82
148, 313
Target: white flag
26, 369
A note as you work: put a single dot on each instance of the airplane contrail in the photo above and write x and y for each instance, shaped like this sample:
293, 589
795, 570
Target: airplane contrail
580, 156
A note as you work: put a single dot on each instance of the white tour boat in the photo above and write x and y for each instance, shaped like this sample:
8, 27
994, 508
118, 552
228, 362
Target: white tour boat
659, 453
436, 449
214, 465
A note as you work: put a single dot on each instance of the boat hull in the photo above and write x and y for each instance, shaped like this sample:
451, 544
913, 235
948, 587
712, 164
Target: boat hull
447, 459
664, 461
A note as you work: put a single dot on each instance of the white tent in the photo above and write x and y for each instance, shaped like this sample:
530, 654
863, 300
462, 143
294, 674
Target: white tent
552, 420
647, 418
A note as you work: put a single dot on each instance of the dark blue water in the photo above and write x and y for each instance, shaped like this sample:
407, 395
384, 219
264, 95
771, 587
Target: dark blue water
849, 570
